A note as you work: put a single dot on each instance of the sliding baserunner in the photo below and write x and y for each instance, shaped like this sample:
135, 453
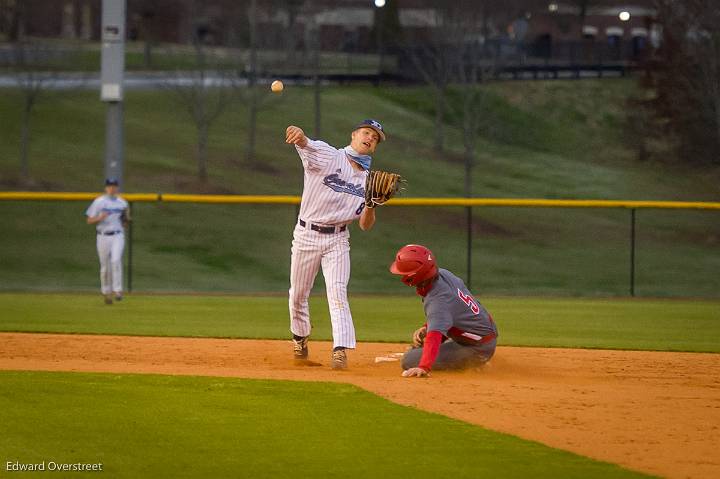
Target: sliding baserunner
458, 332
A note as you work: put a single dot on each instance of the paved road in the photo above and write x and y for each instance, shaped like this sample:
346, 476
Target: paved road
133, 81
149, 81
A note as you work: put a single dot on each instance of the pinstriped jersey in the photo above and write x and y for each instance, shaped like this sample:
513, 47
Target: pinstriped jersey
333, 191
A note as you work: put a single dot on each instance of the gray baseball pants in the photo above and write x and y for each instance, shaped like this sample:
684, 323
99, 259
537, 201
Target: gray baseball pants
453, 355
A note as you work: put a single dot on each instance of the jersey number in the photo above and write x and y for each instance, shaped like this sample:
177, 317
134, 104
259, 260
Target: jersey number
467, 299
360, 208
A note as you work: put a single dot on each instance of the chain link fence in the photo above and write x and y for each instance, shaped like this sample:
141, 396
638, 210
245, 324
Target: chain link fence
245, 248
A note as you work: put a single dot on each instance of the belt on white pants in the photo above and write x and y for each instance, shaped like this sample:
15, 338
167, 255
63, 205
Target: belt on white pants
328, 230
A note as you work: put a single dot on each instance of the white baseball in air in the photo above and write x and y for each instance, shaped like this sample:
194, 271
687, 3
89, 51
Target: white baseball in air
624, 16
379, 3
277, 86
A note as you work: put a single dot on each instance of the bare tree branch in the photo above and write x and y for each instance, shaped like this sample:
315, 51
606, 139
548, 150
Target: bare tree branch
686, 80
34, 68
204, 92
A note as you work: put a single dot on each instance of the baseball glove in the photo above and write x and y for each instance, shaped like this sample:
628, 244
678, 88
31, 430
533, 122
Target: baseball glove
380, 187
419, 337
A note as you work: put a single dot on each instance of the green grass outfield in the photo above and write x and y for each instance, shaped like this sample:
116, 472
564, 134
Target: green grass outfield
146, 426
675, 325
543, 139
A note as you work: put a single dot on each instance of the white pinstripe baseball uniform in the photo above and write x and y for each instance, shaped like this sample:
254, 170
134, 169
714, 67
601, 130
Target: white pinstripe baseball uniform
110, 241
333, 197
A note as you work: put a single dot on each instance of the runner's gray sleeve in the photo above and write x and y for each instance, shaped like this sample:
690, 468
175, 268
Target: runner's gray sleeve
438, 313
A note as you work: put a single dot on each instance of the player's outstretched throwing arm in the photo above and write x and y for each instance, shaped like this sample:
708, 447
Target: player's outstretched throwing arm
295, 136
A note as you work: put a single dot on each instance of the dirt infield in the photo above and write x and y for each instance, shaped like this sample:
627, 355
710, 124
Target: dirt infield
650, 411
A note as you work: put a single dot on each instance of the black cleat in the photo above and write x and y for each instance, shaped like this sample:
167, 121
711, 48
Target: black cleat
118, 297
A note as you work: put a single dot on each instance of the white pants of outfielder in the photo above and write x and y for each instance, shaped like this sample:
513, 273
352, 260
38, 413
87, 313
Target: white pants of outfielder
311, 251
110, 252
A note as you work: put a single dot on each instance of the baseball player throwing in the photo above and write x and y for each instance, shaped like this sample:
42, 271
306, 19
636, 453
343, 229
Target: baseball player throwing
458, 332
333, 197
109, 213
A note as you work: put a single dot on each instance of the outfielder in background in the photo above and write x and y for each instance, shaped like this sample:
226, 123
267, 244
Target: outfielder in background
109, 213
459, 332
333, 197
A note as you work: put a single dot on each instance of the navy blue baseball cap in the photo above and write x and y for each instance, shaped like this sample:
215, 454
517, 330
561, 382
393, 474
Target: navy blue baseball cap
112, 182
375, 125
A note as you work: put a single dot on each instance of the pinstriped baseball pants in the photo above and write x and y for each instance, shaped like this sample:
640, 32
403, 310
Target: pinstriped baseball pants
311, 251
110, 252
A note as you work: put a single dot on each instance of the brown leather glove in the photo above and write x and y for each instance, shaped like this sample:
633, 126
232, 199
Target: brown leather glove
419, 337
380, 187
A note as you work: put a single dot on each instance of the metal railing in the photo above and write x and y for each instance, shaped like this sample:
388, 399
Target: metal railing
467, 203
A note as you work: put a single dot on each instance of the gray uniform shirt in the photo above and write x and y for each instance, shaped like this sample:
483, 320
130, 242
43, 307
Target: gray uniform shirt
451, 310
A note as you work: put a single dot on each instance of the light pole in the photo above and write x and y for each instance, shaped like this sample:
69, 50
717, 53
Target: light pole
111, 80
379, 25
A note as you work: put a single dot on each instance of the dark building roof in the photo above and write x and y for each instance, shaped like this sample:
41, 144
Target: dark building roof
174, 20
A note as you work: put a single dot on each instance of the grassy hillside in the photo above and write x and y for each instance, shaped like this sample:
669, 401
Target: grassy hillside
559, 139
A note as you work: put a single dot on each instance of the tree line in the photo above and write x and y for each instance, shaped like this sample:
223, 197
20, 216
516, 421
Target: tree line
676, 118
678, 115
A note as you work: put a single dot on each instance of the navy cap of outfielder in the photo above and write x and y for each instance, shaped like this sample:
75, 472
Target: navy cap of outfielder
375, 125
112, 182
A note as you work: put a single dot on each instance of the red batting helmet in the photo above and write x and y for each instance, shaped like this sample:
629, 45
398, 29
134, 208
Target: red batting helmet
415, 263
